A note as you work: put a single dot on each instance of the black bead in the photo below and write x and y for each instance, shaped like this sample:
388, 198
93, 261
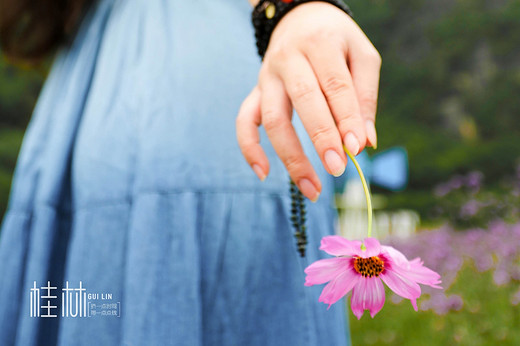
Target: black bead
298, 218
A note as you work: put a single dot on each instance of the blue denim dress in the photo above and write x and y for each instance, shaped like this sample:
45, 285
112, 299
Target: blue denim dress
133, 217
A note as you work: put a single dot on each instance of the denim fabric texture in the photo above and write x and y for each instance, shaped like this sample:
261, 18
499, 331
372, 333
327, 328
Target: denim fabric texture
131, 181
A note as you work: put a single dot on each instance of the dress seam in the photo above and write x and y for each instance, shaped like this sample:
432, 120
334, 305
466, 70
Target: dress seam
125, 200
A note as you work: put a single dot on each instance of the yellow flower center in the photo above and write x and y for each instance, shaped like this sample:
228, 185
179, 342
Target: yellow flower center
368, 267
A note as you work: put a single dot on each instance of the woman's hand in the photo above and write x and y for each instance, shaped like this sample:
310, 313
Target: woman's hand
321, 63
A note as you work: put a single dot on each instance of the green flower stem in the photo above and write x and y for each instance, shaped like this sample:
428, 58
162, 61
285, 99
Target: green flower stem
365, 188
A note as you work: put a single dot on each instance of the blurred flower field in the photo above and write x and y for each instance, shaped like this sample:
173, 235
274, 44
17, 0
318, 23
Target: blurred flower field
480, 305
449, 94
479, 266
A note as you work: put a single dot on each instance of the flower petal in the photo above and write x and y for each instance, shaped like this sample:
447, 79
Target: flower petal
414, 304
339, 287
368, 294
413, 270
396, 256
339, 246
326, 270
356, 300
373, 248
421, 274
376, 296
401, 285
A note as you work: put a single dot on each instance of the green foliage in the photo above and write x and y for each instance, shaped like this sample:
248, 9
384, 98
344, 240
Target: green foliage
10, 141
486, 318
449, 84
419, 200
19, 88
9, 145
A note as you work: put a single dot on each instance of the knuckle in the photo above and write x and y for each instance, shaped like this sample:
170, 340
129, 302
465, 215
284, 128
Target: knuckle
319, 37
348, 122
302, 90
335, 85
275, 57
294, 163
248, 149
314, 40
368, 97
281, 54
270, 120
321, 134
373, 56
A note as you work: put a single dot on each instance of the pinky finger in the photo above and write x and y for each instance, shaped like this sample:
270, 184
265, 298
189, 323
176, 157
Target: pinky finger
247, 123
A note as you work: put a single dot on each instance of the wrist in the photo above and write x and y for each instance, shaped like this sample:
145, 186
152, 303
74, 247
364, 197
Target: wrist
268, 13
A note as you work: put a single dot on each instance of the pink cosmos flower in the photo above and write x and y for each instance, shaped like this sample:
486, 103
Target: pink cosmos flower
361, 270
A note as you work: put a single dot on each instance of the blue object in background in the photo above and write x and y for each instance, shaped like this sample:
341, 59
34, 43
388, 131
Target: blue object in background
390, 169
387, 169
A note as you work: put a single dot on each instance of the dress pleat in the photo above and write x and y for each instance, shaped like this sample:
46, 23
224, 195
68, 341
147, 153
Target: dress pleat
131, 184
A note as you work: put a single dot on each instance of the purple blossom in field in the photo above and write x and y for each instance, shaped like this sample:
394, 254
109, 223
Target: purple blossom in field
472, 181
470, 209
441, 190
465, 202
484, 262
515, 273
443, 304
501, 277
456, 182
455, 302
446, 250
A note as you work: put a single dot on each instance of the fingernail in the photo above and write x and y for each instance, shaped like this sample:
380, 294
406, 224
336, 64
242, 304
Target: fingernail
334, 163
371, 133
308, 189
259, 172
352, 143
